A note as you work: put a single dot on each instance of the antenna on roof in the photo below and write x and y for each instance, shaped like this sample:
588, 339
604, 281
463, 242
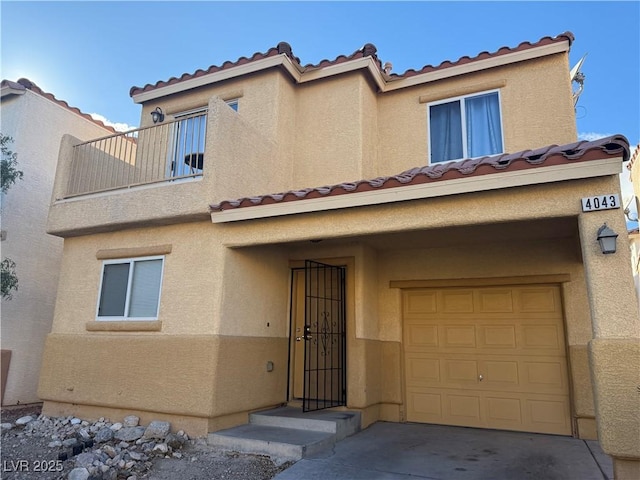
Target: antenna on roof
577, 76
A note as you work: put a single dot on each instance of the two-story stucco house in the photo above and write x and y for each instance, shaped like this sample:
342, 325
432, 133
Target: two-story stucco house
413, 246
36, 120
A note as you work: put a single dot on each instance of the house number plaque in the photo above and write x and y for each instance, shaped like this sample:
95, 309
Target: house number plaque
601, 202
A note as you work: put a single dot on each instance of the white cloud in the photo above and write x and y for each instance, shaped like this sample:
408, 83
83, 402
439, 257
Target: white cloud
590, 136
120, 127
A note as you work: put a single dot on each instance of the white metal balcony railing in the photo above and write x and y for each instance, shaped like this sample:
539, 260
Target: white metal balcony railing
168, 152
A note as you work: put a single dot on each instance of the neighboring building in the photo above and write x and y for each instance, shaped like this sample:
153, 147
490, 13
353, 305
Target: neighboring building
464, 292
36, 121
634, 235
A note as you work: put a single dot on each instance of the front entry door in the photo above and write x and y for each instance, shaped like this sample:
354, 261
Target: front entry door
322, 335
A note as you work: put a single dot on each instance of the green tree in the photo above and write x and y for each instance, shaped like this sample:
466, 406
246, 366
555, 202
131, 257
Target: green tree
9, 174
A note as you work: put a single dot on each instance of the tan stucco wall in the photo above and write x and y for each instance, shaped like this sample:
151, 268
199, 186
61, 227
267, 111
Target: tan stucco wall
173, 377
36, 125
403, 115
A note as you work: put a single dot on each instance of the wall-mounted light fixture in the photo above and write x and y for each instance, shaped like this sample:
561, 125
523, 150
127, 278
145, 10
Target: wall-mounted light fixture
157, 115
607, 239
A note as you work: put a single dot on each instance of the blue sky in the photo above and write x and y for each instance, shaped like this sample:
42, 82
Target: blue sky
91, 53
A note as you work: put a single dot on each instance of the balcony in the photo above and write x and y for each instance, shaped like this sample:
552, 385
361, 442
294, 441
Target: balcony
170, 152
163, 174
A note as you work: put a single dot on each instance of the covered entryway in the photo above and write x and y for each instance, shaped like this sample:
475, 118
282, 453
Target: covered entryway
491, 357
318, 340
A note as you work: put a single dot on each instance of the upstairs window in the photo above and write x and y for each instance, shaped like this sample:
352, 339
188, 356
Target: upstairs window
130, 289
465, 127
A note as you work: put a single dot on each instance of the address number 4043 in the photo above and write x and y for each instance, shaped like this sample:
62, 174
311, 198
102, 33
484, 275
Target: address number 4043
600, 202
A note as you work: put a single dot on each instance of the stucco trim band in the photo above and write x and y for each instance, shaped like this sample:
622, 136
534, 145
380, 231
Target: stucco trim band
463, 90
133, 252
517, 178
124, 326
481, 282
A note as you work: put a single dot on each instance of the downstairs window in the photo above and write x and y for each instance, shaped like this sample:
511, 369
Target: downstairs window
130, 289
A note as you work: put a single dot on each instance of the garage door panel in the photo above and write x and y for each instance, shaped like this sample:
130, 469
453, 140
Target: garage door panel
421, 335
539, 299
459, 336
497, 336
421, 370
545, 376
463, 408
456, 301
459, 372
504, 372
425, 406
495, 301
547, 337
419, 302
512, 337
504, 412
550, 415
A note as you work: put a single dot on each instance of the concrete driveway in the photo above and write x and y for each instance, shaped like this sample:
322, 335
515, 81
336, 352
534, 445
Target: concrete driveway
387, 451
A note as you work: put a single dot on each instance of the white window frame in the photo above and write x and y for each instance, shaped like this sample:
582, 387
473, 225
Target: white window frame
463, 120
130, 261
233, 101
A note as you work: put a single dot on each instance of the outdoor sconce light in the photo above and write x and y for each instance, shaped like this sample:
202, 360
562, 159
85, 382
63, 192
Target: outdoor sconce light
157, 115
607, 239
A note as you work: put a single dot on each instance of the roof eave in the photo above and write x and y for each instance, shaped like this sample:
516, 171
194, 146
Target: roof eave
517, 178
281, 60
364, 63
479, 65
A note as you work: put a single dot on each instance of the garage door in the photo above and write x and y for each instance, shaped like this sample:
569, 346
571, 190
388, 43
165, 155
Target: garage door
490, 357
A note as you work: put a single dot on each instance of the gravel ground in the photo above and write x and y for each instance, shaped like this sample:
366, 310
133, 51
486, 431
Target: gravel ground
29, 457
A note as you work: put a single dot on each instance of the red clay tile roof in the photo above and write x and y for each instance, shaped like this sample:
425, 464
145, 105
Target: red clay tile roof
26, 84
368, 50
616, 145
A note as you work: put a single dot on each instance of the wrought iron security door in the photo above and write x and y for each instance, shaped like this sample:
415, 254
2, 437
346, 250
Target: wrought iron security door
325, 381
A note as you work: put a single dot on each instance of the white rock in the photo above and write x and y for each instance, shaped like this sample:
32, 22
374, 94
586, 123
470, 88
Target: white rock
161, 447
69, 442
75, 421
131, 421
6, 426
55, 443
78, 474
135, 455
24, 420
157, 430
116, 426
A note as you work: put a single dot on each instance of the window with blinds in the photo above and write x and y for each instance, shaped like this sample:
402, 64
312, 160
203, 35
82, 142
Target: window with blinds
130, 289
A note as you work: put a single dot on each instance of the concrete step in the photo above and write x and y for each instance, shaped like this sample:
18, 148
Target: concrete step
286, 434
341, 423
281, 444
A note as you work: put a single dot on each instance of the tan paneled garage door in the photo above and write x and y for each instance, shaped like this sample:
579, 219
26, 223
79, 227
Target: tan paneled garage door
491, 357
